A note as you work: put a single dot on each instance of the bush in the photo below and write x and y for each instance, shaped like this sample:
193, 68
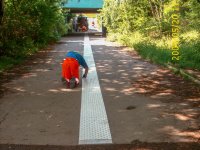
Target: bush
29, 25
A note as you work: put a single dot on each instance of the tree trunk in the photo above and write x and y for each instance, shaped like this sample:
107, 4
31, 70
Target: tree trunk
2, 5
158, 15
161, 6
157, 11
14, 4
152, 10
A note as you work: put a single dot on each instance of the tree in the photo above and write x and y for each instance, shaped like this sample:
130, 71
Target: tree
29, 25
2, 5
152, 9
161, 9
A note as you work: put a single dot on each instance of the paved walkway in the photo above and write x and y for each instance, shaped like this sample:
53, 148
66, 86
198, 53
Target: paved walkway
39, 110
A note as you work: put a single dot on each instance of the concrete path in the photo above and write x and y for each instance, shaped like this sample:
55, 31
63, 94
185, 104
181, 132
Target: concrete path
39, 110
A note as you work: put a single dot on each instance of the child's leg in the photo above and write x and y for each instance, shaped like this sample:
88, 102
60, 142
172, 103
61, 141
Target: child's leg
66, 73
75, 70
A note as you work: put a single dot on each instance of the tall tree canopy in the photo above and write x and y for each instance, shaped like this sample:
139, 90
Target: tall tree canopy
130, 15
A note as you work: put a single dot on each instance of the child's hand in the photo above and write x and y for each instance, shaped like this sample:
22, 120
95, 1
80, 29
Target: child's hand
84, 76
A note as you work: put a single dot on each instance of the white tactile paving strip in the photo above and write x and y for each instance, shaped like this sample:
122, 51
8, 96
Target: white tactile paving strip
94, 127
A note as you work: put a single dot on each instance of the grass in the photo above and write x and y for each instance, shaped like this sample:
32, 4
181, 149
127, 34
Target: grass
159, 50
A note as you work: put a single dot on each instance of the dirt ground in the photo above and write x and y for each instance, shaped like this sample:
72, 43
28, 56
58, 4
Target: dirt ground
164, 82
135, 145
22, 68
163, 86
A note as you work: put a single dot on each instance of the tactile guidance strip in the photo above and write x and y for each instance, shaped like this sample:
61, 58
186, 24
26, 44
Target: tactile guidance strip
94, 127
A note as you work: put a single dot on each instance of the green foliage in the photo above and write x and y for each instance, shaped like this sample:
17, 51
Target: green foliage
132, 23
29, 25
190, 10
7, 62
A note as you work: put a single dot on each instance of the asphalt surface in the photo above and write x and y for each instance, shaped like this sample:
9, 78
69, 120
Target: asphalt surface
38, 110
